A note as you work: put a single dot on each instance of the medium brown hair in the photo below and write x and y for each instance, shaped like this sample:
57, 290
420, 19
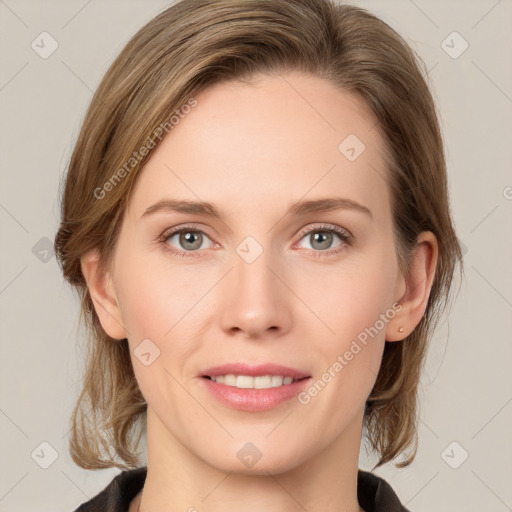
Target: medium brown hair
186, 48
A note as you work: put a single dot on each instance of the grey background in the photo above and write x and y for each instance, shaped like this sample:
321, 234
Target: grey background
466, 389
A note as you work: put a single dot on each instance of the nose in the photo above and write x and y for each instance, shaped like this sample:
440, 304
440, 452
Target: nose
255, 299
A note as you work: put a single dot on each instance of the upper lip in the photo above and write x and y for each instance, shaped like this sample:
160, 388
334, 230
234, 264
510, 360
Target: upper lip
254, 370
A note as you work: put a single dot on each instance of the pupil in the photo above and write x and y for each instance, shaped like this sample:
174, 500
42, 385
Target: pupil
189, 238
322, 238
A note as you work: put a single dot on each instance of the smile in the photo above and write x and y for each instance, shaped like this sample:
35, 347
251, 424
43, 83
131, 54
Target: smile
250, 382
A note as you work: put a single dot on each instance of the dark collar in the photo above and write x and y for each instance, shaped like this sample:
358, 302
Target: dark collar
373, 493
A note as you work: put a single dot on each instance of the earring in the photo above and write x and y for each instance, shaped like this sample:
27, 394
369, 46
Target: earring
401, 329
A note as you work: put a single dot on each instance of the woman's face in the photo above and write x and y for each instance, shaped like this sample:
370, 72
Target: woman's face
265, 283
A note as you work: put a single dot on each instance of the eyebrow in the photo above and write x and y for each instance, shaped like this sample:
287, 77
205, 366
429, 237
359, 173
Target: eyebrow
300, 208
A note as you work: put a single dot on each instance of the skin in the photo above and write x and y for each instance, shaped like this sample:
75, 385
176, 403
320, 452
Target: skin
252, 149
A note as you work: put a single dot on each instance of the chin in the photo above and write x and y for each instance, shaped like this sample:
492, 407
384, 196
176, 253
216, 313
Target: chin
250, 460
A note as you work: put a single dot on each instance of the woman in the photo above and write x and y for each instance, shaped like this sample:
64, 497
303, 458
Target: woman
257, 221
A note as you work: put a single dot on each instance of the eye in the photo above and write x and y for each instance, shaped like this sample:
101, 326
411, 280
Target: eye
187, 239
321, 238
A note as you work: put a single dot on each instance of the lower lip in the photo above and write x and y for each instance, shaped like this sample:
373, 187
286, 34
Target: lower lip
254, 400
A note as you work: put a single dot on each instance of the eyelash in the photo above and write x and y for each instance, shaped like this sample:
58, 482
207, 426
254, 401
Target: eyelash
344, 235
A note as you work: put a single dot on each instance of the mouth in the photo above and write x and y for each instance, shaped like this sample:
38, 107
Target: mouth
253, 382
260, 376
254, 388
254, 393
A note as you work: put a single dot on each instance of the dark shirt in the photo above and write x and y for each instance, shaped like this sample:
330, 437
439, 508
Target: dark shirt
373, 493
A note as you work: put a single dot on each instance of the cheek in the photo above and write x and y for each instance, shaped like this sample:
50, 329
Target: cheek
162, 303
350, 297
155, 295
349, 357
354, 306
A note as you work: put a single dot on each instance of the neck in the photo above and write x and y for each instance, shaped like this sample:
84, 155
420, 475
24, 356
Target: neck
177, 479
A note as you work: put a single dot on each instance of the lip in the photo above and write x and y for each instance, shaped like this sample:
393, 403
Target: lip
254, 370
254, 400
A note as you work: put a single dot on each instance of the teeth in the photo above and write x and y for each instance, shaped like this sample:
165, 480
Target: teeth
248, 382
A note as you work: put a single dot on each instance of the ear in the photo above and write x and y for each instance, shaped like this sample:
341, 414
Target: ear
418, 284
103, 295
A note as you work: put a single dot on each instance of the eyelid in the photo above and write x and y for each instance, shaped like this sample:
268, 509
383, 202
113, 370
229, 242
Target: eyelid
345, 236
179, 229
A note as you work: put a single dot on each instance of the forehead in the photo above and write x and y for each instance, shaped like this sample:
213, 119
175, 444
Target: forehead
279, 137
